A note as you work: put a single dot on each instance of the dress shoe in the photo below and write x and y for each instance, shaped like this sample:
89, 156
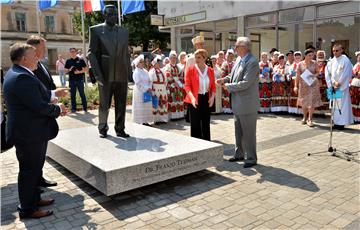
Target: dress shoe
36, 215
234, 159
339, 127
46, 183
122, 134
249, 165
103, 134
45, 202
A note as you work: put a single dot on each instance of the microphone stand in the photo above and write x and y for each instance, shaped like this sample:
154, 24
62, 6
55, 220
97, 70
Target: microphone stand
343, 154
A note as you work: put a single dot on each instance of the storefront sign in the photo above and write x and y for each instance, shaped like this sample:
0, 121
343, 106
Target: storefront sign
157, 20
185, 18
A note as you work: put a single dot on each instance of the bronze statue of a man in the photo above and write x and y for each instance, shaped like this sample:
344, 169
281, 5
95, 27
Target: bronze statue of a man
110, 62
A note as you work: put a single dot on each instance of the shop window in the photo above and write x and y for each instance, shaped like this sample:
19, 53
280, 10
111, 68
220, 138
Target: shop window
20, 19
295, 36
340, 8
265, 39
186, 30
296, 15
344, 30
226, 25
261, 20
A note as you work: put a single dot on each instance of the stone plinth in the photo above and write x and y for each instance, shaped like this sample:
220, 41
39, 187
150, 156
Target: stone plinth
114, 165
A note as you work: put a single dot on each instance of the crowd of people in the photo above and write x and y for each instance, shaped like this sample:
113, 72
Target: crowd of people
188, 86
282, 84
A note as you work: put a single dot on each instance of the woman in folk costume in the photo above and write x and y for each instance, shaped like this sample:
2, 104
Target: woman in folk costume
279, 89
174, 88
293, 106
141, 108
159, 93
321, 62
220, 58
338, 74
265, 78
165, 62
225, 71
181, 64
275, 58
309, 93
290, 73
217, 72
355, 89
181, 67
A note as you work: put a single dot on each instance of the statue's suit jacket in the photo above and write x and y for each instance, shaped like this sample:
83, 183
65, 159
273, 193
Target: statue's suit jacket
108, 53
243, 83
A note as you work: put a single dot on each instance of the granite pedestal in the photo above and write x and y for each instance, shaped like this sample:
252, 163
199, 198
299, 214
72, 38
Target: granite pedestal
114, 164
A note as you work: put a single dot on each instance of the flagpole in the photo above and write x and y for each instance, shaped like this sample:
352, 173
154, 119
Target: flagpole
119, 12
38, 17
83, 34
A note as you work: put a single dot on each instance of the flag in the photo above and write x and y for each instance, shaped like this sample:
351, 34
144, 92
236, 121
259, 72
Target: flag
44, 4
93, 5
132, 6
6, 1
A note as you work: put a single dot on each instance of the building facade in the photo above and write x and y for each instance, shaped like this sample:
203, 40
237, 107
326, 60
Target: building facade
284, 25
19, 21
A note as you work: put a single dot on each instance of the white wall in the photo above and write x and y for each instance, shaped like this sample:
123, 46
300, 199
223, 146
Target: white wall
216, 10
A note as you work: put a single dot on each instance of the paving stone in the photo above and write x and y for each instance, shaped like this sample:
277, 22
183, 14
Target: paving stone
243, 219
180, 213
63, 225
287, 190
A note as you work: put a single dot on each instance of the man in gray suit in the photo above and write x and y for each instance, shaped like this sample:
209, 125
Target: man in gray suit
110, 62
242, 84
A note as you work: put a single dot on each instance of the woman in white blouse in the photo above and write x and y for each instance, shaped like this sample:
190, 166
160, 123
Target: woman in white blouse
200, 89
141, 101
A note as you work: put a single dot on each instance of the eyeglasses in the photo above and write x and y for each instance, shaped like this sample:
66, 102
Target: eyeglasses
238, 46
72, 51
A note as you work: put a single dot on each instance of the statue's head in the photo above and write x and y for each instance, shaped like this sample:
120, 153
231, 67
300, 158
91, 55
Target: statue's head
110, 14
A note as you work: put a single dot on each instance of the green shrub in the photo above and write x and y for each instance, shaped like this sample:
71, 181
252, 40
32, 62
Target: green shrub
92, 97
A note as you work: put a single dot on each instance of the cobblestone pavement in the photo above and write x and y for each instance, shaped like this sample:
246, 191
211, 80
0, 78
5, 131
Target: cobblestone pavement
287, 189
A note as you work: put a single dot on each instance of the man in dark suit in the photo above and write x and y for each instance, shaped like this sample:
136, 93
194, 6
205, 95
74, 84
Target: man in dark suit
43, 74
31, 124
243, 83
110, 61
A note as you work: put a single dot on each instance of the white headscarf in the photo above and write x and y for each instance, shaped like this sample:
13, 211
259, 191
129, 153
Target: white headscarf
165, 59
181, 54
229, 51
155, 60
214, 56
172, 52
297, 53
138, 59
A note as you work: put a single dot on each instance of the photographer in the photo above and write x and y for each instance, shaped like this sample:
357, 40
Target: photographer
76, 68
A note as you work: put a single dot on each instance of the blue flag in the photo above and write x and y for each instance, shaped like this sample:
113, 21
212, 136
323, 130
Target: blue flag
6, 1
132, 6
44, 4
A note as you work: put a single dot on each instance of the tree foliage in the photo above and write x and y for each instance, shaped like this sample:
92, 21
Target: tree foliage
141, 33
